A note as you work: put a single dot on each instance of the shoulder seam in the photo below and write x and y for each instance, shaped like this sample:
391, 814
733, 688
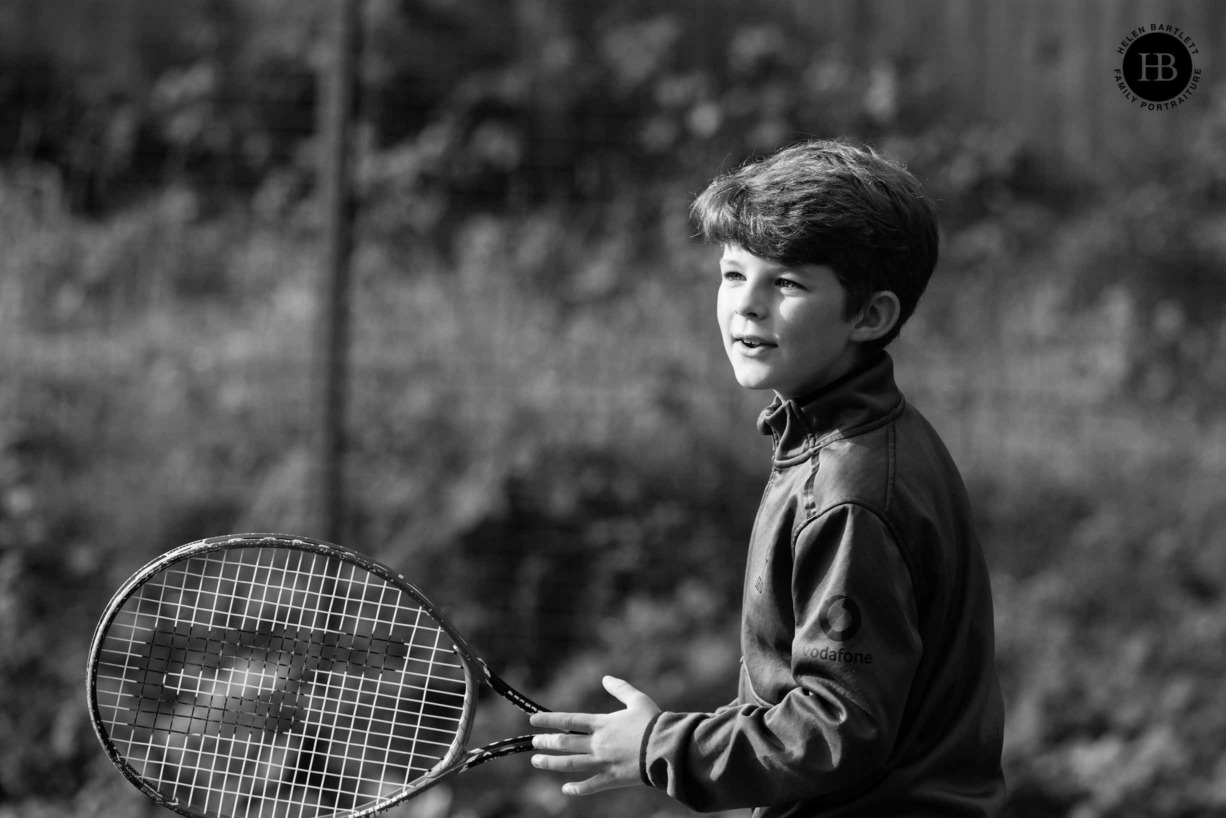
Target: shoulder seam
880, 515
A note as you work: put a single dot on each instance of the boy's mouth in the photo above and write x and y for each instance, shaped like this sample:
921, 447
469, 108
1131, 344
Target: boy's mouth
751, 341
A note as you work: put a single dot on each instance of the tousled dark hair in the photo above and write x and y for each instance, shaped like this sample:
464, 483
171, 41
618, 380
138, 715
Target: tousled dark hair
831, 203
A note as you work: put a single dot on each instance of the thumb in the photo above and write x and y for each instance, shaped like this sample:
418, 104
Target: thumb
625, 692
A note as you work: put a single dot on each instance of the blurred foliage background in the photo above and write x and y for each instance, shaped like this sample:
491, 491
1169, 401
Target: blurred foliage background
542, 430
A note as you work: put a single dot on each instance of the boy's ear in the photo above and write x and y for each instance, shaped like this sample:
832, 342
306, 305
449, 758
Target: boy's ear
878, 317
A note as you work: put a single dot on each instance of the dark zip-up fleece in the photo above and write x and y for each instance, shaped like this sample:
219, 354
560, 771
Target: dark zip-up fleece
868, 682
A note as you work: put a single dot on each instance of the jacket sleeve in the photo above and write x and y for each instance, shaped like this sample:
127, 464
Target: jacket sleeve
853, 654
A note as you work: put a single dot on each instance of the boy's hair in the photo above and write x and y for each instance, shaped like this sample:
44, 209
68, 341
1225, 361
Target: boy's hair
830, 203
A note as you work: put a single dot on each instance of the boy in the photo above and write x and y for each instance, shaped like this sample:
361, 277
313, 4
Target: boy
868, 684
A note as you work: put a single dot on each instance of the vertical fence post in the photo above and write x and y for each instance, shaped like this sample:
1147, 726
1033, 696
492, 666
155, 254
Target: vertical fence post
334, 301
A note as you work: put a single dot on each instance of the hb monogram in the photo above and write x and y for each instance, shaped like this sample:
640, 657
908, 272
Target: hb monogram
1163, 64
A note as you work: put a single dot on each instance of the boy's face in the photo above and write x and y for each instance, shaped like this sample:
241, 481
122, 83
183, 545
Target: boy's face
783, 327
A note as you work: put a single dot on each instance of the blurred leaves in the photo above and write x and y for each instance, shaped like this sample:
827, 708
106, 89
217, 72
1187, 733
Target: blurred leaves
540, 426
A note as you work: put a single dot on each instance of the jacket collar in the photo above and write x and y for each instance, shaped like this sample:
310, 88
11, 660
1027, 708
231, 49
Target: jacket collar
859, 401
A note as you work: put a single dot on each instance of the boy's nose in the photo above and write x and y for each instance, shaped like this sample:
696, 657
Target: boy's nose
749, 303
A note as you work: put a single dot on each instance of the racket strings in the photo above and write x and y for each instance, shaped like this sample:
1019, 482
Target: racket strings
273, 681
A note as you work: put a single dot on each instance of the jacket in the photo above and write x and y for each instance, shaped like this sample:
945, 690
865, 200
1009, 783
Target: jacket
868, 684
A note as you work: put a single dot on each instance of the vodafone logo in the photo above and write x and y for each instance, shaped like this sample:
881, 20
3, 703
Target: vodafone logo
839, 618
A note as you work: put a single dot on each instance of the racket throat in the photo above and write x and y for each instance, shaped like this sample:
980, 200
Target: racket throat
510, 694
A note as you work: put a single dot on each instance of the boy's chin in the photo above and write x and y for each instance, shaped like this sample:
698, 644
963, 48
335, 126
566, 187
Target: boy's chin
753, 382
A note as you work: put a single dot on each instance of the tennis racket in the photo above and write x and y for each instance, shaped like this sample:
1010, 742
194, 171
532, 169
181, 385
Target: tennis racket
269, 676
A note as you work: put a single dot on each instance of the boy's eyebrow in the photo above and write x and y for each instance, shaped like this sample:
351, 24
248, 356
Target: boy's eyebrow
771, 266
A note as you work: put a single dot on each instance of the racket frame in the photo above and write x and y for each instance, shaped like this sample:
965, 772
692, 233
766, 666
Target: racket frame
476, 672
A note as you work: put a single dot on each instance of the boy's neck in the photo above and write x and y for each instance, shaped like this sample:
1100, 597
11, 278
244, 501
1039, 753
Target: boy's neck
863, 361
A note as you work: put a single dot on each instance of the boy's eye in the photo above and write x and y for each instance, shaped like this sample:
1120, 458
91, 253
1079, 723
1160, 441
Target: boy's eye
788, 284
731, 275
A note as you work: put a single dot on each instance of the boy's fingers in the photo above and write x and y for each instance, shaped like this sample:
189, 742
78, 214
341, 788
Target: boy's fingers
565, 764
572, 722
597, 783
563, 742
624, 692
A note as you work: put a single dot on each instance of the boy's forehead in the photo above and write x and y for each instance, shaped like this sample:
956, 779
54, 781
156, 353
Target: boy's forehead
737, 253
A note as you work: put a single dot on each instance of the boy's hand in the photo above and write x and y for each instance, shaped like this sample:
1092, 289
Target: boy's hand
605, 744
